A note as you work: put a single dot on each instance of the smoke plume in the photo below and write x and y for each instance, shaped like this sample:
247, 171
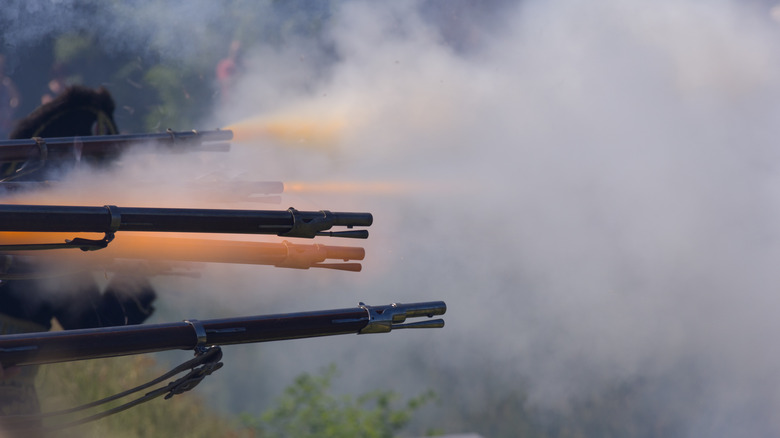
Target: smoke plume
610, 213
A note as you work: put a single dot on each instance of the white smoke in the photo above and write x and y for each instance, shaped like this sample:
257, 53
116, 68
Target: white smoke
613, 214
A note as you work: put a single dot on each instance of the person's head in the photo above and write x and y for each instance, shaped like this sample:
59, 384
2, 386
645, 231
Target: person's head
78, 111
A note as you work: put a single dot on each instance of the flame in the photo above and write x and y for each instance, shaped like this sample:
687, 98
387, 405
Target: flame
291, 130
348, 187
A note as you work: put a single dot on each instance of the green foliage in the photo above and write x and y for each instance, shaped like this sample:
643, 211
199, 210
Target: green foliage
307, 409
70, 47
152, 93
182, 95
166, 81
155, 86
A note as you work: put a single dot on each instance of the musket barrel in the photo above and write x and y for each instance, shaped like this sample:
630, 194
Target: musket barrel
181, 249
205, 220
102, 145
70, 345
109, 219
352, 219
54, 218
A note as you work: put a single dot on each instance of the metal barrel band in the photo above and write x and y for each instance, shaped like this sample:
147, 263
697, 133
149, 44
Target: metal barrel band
200, 334
116, 218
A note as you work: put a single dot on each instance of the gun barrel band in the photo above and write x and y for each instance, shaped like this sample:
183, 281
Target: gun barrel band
116, 218
200, 331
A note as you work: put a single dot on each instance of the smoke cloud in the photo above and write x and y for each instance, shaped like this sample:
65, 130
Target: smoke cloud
612, 207
594, 194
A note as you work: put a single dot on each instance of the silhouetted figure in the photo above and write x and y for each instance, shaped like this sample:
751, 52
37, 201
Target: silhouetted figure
31, 296
78, 111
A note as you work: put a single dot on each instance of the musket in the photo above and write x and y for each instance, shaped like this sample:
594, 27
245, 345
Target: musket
110, 219
283, 254
54, 148
36, 152
73, 345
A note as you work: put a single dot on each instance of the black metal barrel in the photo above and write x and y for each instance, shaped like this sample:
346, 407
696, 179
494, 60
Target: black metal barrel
70, 345
104, 145
105, 219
